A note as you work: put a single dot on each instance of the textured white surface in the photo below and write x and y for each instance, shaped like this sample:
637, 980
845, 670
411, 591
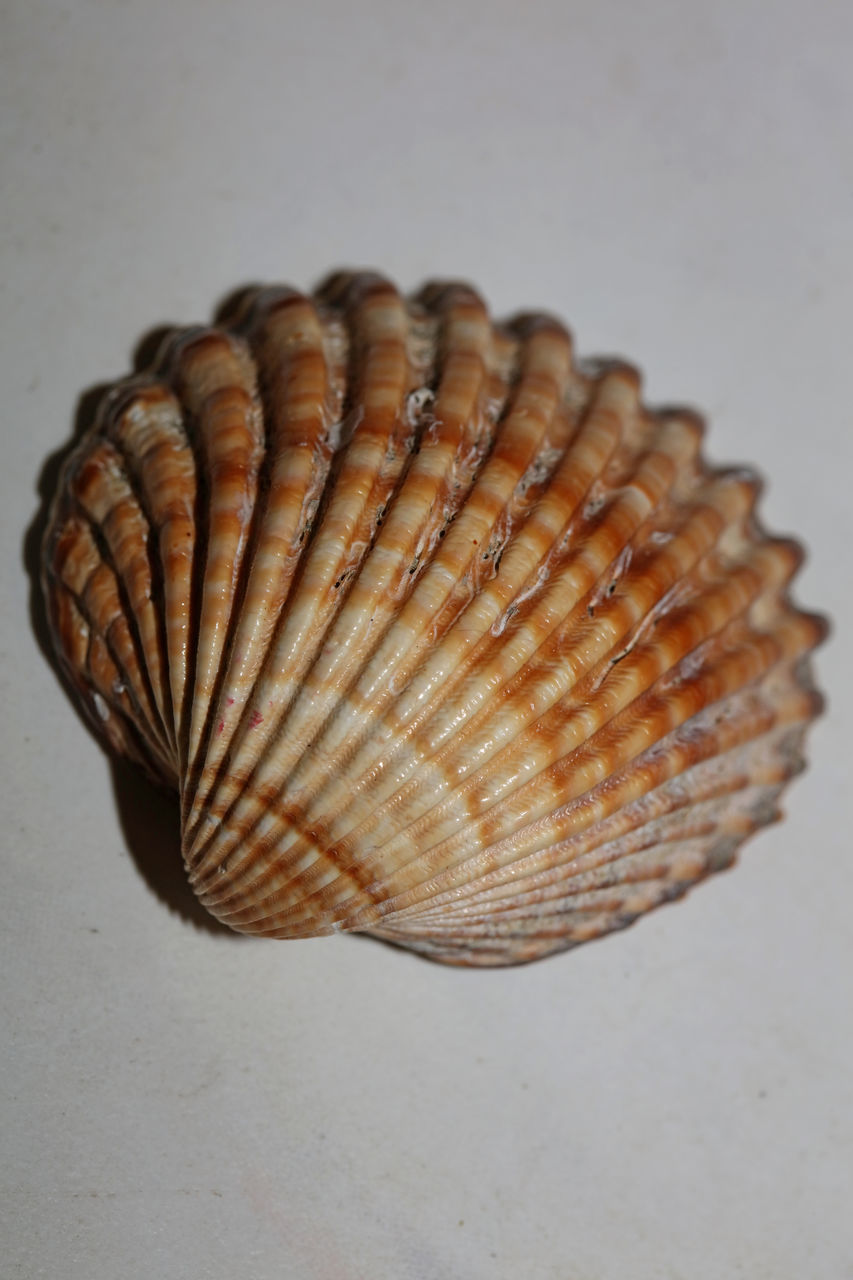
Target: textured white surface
675, 1102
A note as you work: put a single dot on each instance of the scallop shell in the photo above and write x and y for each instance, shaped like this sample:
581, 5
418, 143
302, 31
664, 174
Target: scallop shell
439, 634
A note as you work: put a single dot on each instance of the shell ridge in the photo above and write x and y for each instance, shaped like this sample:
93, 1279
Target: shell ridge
438, 786
145, 424
215, 383
448, 677
304, 386
417, 378
515, 436
716, 851
306, 619
78, 566
104, 433
102, 601
682, 745
90, 669
390, 516
658, 713
99, 487
636, 824
427, 754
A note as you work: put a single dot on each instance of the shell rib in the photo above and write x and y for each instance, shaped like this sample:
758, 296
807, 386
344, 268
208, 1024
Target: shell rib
438, 634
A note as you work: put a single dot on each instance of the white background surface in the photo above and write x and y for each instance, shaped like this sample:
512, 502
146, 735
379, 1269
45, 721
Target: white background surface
674, 1102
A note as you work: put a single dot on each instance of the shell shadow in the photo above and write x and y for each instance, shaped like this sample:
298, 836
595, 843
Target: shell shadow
150, 823
148, 816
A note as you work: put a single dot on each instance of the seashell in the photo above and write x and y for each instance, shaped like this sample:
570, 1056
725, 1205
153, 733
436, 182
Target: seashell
439, 634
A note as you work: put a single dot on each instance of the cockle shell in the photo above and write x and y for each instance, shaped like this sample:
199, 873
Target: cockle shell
439, 634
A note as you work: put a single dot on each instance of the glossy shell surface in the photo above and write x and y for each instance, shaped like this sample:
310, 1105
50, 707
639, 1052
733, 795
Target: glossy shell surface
439, 634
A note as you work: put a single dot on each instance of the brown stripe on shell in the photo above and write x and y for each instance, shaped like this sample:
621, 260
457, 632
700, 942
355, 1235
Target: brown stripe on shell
213, 376
544, 368
365, 472
97, 681
436, 831
479, 685
78, 565
486, 506
101, 490
302, 389
743, 787
392, 533
144, 420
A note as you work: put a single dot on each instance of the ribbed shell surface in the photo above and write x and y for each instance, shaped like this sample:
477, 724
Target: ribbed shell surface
438, 634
